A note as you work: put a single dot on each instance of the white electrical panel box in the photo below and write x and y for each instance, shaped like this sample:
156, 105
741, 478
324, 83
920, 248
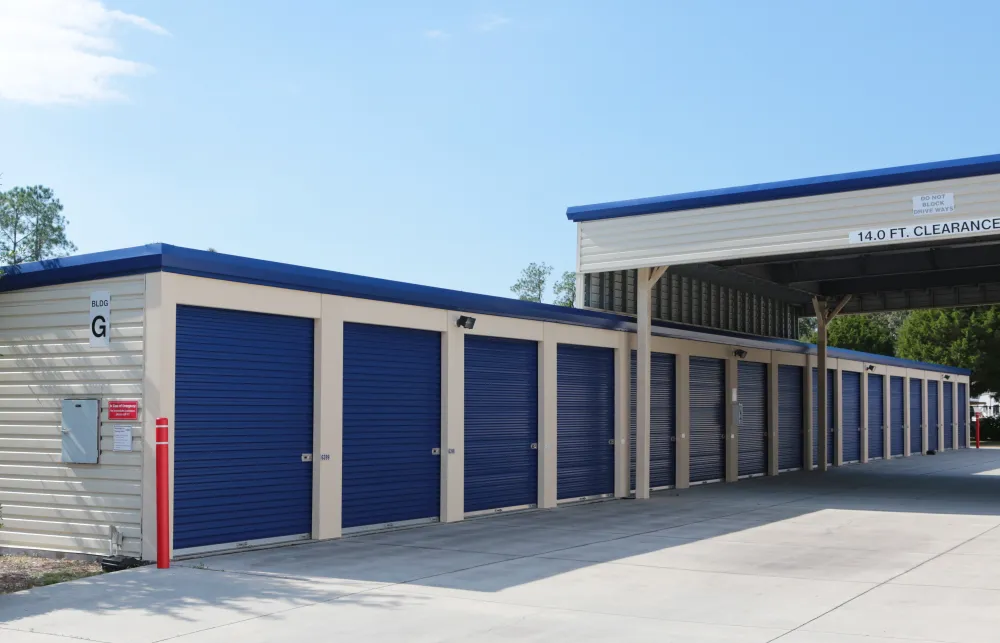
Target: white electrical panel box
81, 431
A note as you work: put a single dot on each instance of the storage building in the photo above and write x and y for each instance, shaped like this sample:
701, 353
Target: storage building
308, 404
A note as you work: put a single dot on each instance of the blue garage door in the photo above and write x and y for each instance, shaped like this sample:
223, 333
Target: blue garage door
752, 399
831, 398
949, 415
708, 419
932, 416
851, 425
501, 423
790, 449
392, 425
662, 424
876, 416
244, 418
585, 441
963, 417
916, 417
897, 407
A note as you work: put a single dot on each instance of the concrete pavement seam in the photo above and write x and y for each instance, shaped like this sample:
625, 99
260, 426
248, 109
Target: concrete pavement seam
883, 583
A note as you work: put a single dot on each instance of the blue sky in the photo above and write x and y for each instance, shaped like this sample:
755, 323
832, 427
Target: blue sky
441, 142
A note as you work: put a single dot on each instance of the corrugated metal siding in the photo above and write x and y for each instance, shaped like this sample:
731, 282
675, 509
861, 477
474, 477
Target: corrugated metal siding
752, 398
708, 419
687, 300
949, 415
244, 417
392, 424
876, 416
804, 224
585, 421
45, 357
831, 380
662, 421
932, 416
916, 417
501, 423
790, 437
897, 407
851, 425
963, 416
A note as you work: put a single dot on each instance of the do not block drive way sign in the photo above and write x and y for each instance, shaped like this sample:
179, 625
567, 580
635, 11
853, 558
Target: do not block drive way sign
100, 319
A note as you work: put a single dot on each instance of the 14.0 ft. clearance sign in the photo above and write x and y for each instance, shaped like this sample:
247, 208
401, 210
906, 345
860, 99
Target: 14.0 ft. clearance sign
989, 225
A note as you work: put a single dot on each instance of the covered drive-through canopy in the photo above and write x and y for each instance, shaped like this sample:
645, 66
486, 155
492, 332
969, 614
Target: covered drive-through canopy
902, 238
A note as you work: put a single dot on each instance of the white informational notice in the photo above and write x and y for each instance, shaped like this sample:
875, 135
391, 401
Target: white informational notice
123, 437
941, 203
100, 319
986, 225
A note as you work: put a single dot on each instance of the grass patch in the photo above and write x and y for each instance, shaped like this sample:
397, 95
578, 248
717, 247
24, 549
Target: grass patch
24, 572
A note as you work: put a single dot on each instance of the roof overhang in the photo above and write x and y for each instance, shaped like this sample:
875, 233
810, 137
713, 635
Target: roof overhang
908, 237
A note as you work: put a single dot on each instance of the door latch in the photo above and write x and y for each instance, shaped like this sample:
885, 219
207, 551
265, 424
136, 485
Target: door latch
307, 457
436, 451
611, 442
534, 446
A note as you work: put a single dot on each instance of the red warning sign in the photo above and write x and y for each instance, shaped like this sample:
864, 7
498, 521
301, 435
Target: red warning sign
123, 409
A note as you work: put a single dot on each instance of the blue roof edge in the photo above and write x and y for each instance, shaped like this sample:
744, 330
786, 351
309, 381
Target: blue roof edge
97, 265
813, 186
213, 265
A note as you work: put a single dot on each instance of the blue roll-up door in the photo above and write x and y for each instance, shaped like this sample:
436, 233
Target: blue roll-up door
831, 398
501, 423
851, 425
392, 425
897, 407
752, 409
916, 417
585, 421
662, 423
932, 416
244, 418
876, 416
963, 417
708, 419
790, 449
949, 415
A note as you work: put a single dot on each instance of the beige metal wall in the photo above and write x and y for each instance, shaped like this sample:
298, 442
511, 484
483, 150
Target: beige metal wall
45, 357
805, 224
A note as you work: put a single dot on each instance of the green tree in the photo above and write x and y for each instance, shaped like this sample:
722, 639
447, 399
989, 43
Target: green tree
961, 337
869, 333
807, 329
866, 333
530, 286
32, 226
565, 289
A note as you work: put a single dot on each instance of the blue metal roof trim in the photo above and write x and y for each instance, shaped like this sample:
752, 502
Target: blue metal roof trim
98, 265
213, 265
829, 184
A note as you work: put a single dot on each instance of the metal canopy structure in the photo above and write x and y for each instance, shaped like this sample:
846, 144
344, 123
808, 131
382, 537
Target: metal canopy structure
902, 238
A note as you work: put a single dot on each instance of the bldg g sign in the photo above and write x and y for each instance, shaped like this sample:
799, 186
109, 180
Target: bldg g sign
100, 319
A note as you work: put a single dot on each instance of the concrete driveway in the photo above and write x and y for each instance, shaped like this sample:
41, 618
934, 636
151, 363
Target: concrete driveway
896, 550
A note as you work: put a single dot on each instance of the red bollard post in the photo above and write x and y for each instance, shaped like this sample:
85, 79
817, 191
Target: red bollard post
162, 494
977, 428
